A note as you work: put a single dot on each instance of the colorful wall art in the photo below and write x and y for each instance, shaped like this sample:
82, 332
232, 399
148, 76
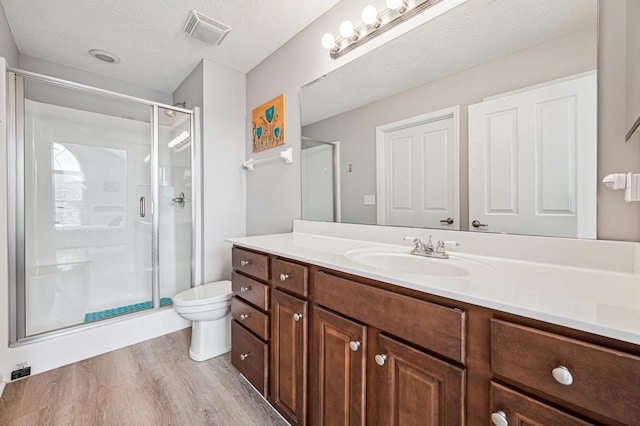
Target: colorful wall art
268, 124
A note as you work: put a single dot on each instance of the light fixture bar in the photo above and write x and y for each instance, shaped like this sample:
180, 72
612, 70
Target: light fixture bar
389, 18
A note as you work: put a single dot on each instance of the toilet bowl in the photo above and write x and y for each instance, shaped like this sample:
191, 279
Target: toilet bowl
209, 307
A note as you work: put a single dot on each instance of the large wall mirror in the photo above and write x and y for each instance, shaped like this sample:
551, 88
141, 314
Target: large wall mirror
482, 119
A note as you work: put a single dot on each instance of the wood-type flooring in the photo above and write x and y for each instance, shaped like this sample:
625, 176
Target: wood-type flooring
150, 383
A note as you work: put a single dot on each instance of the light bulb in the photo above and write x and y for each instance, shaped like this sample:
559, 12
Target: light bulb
398, 5
370, 16
346, 29
329, 41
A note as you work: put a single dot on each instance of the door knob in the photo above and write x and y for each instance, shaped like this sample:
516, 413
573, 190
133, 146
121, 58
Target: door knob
499, 418
245, 356
380, 359
297, 317
244, 262
562, 375
448, 220
244, 316
477, 224
283, 277
354, 345
243, 289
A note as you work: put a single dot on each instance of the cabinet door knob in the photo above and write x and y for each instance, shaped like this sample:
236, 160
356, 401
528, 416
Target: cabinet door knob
283, 277
448, 221
297, 317
477, 224
354, 345
244, 316
499, 418
244, 262
562, 375
243, 289
245, 356
380, 359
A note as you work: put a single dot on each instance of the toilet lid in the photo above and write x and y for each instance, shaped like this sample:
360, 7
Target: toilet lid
210, 292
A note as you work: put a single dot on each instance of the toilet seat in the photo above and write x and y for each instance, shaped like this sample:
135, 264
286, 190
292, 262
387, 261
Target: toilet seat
218, 291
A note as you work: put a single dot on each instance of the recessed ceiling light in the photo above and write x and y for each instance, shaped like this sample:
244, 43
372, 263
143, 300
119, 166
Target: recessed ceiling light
104, 56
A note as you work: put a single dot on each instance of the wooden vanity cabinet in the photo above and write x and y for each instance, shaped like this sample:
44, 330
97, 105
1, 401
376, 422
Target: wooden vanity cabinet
406, 385
597, 381
340, 370
381, 354
289, 340
249, 309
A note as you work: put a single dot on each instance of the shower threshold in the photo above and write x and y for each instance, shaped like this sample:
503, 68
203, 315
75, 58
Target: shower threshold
122, 310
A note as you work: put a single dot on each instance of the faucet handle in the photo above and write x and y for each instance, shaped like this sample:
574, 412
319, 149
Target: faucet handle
415, 240
440, 247
429, 244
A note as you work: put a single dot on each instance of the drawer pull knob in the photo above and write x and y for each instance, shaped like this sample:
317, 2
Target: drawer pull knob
354, 345
562, 375
283, 277
297, 317
380, 359
499, 418
244, 316
245, 356
244, 262
243, 289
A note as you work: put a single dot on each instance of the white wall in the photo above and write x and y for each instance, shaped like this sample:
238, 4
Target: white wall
220, 92
273, 191
8, 48
224, 93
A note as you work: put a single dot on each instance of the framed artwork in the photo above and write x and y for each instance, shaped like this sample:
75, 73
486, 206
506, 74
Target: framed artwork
268, 124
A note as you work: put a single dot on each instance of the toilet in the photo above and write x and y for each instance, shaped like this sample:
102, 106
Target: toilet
209, 307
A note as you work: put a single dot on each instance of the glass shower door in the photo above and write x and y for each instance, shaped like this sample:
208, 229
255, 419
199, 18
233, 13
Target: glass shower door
175, 207
86, 211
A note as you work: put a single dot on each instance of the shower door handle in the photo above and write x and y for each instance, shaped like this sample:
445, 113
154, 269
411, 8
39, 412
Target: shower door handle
142, 213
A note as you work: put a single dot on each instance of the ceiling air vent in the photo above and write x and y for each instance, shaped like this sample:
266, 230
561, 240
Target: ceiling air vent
205, 29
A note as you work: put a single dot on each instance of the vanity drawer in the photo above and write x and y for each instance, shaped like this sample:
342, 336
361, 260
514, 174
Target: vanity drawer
251, 263
435, 327
250, 290
519, 409
250, 356
250, 317
604, 381
290, 276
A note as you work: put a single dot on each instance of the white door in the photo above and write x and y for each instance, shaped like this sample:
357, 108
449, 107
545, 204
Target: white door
532, 161
417, 171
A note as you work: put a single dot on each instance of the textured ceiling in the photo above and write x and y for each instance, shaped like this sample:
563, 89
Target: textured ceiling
147, 34
475, 32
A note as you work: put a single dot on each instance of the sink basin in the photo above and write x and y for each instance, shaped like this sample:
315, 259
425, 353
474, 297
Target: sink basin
404, 262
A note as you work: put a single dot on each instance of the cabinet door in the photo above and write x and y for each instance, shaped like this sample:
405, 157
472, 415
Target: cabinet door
341, 351
415, 388
289, 356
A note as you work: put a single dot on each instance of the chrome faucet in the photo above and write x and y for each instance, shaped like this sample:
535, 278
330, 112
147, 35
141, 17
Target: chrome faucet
427, 249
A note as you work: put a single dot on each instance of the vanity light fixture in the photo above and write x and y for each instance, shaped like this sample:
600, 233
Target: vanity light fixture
399, 5
329, 42
347, 30
370, 16
374, 23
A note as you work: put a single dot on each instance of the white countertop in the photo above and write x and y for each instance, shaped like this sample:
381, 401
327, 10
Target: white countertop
600, 301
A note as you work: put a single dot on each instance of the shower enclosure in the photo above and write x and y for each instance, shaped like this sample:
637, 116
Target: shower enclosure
100, 210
